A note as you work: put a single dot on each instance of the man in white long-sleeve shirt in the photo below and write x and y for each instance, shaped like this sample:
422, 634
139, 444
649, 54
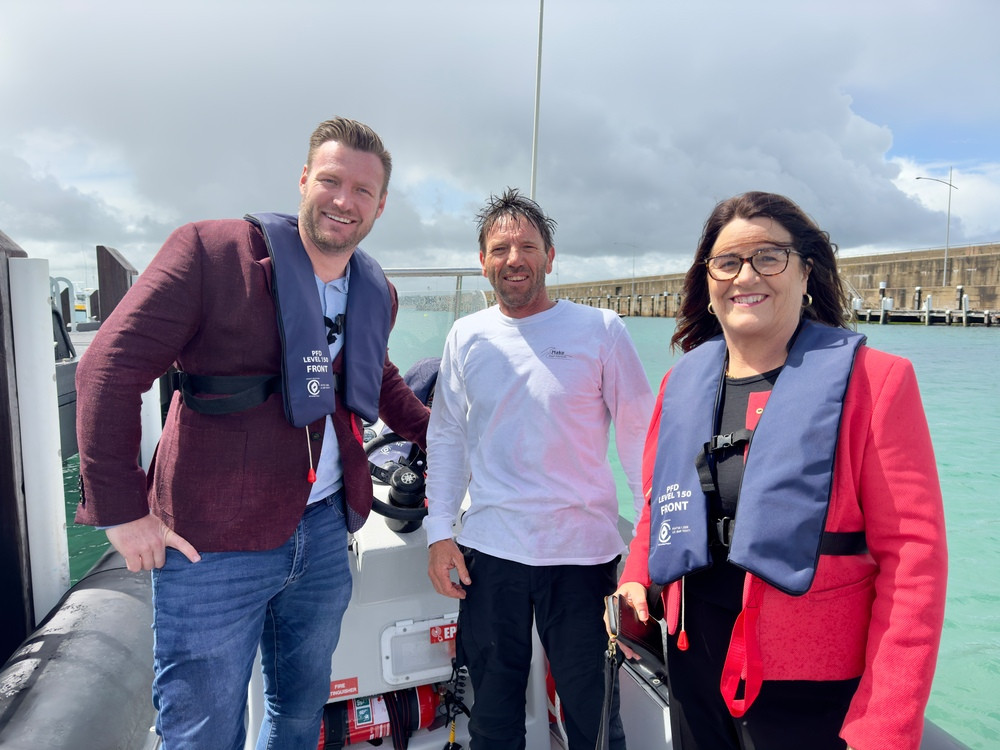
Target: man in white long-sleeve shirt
524, 400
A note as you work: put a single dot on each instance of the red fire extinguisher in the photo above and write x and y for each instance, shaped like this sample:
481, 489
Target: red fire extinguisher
397, 715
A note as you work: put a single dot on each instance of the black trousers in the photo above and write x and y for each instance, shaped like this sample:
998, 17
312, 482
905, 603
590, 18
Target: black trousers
787, 714
494, 641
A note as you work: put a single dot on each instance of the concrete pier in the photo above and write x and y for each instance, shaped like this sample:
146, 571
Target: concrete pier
962, 318
906, 286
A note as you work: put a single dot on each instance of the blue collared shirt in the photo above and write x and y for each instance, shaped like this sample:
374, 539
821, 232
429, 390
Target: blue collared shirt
329, 471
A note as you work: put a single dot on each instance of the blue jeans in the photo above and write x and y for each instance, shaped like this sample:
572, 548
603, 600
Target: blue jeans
210, 617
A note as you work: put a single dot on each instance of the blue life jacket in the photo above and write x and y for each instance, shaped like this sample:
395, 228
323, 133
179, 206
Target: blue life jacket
308, 382
788, 474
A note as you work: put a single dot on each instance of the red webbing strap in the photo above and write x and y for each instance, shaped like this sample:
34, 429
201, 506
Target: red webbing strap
743, 662
672, 606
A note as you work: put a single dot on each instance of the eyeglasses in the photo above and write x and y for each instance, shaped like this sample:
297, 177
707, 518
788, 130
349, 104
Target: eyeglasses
767, 261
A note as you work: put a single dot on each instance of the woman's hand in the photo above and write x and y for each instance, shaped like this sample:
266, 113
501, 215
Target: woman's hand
633, 595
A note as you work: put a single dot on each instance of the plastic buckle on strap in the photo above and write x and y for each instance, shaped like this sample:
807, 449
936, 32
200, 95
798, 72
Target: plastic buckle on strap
729, 440
724, 528
722, 441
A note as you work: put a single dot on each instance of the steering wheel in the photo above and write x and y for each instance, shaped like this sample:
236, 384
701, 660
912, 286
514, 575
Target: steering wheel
404, 474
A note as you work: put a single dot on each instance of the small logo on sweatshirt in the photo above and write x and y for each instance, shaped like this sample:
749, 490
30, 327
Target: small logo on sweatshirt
554, 353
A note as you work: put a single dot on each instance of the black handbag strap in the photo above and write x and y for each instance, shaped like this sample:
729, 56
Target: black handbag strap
611, 664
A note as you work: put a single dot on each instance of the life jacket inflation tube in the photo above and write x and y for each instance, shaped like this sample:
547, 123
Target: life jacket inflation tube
779, 530
788, 474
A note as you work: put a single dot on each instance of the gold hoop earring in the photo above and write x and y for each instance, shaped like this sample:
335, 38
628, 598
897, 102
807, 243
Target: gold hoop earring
807, 299
710, 310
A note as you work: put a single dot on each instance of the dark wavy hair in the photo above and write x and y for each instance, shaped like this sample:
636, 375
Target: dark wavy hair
352, 134
696, 325
512, 205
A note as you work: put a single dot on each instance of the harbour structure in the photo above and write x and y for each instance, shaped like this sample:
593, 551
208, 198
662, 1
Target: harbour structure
906, 286
83, 675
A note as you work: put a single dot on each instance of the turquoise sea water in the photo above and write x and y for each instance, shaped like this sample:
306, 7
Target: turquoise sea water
957, 370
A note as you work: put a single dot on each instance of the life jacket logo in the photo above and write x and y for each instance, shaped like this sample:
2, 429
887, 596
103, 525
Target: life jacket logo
312, 387
675, 502
664, 534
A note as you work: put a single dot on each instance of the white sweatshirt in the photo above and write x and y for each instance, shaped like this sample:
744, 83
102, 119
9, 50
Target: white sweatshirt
521, 418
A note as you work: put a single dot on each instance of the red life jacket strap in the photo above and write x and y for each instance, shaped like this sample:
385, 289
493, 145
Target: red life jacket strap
743, 663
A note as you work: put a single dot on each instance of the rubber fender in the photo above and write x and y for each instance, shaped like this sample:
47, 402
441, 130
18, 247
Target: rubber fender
83, 678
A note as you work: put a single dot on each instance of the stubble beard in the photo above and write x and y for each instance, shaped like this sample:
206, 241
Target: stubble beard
324, 242
517, 300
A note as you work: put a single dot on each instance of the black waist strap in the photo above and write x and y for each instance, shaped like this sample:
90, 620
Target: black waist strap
235, 392
843, 543
833, 542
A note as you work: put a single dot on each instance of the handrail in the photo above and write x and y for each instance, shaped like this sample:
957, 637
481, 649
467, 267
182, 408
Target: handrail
458, 273
469, 271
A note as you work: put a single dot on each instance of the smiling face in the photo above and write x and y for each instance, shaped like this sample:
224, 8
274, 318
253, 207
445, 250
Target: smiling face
758, 314
515, 260
342, 196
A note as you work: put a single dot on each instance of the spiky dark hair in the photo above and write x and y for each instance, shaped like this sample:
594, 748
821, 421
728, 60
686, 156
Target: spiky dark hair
511, 204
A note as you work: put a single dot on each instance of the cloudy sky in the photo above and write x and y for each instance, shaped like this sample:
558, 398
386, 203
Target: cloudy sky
122, 120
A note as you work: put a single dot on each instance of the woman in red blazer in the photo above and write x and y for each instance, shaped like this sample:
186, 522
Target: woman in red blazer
795, 513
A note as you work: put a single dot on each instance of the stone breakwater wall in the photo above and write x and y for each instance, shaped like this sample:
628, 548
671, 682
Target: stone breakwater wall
906, 278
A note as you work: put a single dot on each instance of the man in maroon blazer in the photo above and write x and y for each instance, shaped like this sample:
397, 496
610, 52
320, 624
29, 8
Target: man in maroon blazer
260, 473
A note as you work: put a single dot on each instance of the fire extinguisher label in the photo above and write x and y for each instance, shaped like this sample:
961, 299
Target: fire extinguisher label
363, 712
370, 713
343, 688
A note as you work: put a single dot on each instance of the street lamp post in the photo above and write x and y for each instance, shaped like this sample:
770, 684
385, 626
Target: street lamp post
631, 299
538, 101
947, 234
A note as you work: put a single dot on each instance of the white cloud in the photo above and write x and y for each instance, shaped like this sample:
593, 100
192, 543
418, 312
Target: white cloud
975, 195
651, 112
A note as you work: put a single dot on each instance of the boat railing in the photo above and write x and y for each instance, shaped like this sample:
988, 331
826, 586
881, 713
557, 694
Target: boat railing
460, 300
430, 301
